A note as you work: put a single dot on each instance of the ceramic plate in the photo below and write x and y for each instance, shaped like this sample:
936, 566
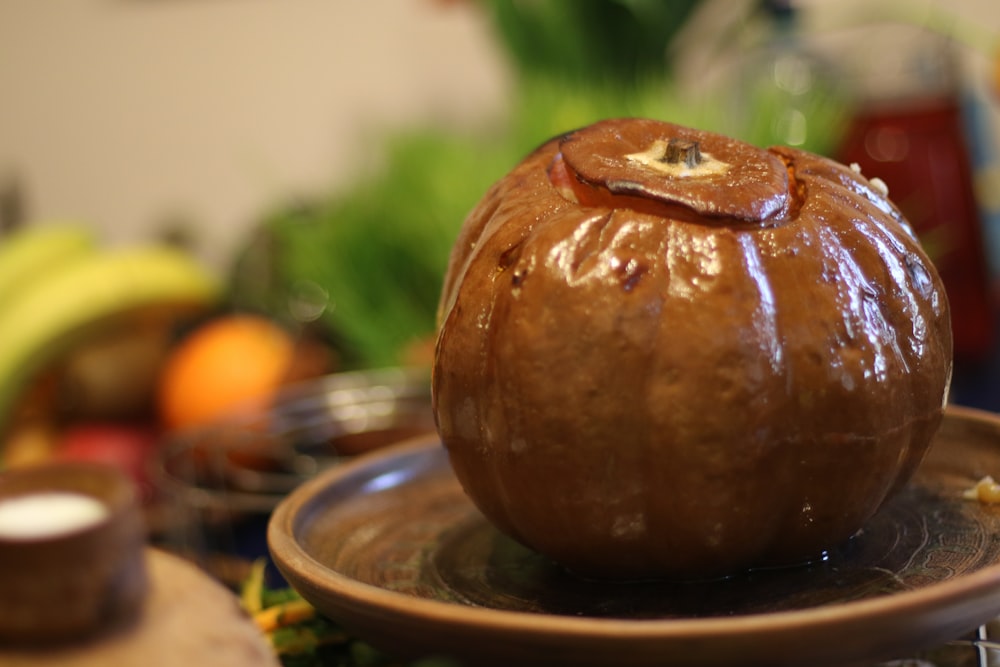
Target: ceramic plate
390, 547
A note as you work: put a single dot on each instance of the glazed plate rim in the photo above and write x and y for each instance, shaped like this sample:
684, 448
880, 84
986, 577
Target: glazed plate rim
973, 598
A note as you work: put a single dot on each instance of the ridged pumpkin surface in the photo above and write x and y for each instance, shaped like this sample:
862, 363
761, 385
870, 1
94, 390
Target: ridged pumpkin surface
654, 365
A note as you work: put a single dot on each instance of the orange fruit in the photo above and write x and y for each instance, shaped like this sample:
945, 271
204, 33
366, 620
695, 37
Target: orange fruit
232, 362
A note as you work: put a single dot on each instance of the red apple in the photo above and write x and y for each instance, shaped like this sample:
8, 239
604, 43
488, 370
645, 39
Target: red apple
129, 448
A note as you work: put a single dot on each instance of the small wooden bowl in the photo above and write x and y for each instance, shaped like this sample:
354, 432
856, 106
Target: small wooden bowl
67, 584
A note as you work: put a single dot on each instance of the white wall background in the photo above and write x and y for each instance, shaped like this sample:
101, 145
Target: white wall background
124, 113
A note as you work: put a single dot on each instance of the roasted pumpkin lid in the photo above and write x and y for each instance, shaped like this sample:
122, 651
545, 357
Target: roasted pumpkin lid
676, 170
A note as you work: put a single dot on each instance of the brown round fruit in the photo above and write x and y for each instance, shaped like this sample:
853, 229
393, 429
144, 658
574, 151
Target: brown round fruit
666, 353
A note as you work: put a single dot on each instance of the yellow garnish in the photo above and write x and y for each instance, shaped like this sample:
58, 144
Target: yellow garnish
252, 590
986, 490
284, 614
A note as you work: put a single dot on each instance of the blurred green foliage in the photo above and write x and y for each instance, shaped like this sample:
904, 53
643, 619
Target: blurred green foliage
583, 41
379, 248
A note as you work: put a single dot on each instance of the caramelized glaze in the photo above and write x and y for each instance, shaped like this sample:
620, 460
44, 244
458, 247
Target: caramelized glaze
641, 374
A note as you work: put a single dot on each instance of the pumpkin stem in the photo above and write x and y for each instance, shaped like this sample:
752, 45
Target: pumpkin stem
682, 150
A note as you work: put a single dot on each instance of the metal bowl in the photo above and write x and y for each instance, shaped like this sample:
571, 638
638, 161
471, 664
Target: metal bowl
215, 480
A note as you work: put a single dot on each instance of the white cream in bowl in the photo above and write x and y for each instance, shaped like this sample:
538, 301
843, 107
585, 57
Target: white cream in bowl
48, 514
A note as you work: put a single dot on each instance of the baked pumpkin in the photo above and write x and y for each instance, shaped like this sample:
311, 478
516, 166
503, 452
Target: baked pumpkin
664, 353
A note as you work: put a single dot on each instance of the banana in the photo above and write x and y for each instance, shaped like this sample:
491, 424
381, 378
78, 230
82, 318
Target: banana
34, 251
41, 321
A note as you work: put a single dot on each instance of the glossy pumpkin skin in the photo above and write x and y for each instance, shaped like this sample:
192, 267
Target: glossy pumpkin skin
647, 372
